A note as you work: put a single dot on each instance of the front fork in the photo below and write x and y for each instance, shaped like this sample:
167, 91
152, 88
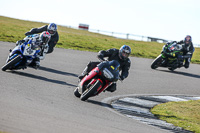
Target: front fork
164, 59
10, 57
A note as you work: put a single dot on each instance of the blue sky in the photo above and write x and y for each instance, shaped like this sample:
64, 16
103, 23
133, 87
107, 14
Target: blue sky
167, 19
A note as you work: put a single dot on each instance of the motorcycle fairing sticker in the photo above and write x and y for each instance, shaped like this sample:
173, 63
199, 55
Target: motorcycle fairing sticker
28, 51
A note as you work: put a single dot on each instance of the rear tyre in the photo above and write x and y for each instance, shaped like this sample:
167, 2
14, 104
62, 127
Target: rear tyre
156, 62
171, 69
76, 93
90, 91
11, 63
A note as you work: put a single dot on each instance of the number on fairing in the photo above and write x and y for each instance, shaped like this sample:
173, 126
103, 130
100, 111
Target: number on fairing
28, 50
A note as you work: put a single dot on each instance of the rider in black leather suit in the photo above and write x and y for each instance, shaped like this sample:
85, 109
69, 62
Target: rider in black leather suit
188, 50
52, 29
120, 55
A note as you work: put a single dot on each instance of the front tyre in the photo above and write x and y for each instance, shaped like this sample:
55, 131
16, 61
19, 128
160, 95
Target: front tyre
11, 63
156, 63
90, 91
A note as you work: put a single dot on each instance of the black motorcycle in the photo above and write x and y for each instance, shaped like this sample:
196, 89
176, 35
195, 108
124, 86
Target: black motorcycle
169, 57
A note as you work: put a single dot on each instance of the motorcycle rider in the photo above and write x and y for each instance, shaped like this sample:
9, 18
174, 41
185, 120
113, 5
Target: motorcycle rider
120, 55
188, 50
52, 29
38, 41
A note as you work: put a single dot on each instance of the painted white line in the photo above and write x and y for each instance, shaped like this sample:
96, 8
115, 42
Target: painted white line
193, 98
150, 121
170, 98
132, 108
141, 102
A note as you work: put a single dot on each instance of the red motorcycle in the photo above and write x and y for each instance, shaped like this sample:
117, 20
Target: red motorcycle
99, 79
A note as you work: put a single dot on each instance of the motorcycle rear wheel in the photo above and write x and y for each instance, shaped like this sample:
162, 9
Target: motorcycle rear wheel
90, 91
171, 69
11, 63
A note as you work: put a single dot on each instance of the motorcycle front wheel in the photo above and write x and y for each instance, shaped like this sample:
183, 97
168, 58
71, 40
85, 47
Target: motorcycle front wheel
11, 63
156, 63
90, 91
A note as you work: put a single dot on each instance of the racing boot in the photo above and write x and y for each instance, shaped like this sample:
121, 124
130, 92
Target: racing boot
85, 72
20, 42
35, 63
44, 52
187, 63
112, 88
88, 68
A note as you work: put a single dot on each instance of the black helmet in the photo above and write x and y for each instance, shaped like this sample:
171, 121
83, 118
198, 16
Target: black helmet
45, 37
188, 40
52, 29
124, 52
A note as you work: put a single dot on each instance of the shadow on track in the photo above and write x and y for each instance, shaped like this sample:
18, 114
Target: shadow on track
182, 73
57, 71
99, 103
42, 78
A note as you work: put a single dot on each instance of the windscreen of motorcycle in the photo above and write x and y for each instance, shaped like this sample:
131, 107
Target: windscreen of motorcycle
111, 70
174, 47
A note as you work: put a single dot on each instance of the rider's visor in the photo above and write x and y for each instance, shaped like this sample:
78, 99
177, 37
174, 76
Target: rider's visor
51, 31
125, 54
187, 39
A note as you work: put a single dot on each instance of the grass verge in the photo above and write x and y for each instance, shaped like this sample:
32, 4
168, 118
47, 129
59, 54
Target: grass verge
184, 114
13, 30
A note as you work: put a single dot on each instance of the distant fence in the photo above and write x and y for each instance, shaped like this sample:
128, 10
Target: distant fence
134, 37
130, 36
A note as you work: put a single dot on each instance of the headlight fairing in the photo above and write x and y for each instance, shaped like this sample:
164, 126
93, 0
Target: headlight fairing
107, 73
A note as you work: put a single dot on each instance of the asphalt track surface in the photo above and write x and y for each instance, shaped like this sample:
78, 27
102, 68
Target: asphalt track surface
42, 101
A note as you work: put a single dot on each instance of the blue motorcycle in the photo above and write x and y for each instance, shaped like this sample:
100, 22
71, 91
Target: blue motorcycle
21, 56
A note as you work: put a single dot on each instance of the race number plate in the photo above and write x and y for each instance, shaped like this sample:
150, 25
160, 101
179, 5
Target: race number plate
28, 51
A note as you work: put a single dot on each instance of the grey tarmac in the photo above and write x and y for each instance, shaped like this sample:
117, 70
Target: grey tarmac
42, 101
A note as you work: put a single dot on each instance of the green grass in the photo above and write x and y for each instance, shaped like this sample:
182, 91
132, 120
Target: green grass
182, 114
13, 30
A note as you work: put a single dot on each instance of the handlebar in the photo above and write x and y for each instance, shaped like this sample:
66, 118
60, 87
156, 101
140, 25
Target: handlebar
100, 59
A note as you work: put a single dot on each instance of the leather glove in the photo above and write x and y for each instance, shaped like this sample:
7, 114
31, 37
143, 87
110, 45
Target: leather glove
100, 57
27, 33
20, 42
